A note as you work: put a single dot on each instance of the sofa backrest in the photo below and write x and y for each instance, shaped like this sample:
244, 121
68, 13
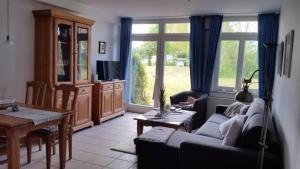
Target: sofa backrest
251, 132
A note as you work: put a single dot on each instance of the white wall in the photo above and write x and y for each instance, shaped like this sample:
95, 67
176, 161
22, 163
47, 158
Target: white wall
286, 92
17, 61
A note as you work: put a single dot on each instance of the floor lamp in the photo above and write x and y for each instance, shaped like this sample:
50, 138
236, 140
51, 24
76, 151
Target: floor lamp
268, 102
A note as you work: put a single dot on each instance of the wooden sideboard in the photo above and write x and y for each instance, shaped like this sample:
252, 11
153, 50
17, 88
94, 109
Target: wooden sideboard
63, 56
107, 100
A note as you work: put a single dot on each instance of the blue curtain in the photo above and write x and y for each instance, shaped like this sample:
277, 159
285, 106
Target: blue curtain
125, 41
203, 47
267, 39
125, 46
196, 51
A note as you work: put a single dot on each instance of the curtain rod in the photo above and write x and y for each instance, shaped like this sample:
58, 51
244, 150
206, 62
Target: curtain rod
241, 14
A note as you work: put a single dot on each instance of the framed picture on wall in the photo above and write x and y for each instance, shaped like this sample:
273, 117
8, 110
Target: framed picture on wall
289, 41
280, 51
102, 47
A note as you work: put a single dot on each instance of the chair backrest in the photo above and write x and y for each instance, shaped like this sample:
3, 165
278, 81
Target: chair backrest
65, 95
35, 93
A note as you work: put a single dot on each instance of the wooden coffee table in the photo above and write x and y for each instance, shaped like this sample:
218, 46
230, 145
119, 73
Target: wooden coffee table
172, 120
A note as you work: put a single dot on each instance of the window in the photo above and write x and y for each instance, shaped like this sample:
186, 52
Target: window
237, 57
145, 28
177, 28
160, 55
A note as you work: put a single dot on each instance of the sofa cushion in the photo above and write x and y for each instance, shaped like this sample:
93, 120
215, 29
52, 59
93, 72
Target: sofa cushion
257, 106
217, 118
234, 130
233, 109
157, 134
210, 129
251, 132
224, 127
178, 137
244, 109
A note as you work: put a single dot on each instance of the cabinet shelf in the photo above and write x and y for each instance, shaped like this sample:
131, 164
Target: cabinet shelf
63, 43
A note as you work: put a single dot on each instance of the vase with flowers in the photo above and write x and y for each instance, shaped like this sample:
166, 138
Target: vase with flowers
162, 102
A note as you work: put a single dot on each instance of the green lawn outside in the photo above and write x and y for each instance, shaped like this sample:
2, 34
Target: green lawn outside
176, 79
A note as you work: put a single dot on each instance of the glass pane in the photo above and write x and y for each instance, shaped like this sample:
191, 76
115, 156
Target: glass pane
82, 56
251, 62
63, 53
228, 63
177, 28
177, 70
240, 26
145, 28
143, 71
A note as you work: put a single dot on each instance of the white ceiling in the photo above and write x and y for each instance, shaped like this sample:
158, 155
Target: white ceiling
177, 8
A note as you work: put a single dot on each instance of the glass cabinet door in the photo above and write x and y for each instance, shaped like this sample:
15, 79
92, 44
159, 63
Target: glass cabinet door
82, 53
63, 52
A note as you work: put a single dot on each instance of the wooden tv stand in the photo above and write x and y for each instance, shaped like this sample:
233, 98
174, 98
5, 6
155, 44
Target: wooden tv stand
107, 100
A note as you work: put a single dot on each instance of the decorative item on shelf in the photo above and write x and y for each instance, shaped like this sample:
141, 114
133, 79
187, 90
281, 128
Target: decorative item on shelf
102, 47
244, 95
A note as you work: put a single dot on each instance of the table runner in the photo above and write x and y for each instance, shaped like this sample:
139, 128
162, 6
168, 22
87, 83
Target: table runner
170, 117
37, 116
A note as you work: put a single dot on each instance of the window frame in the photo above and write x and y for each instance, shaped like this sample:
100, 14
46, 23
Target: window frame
242, 37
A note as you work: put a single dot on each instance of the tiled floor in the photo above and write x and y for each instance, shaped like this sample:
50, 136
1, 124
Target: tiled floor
91, 148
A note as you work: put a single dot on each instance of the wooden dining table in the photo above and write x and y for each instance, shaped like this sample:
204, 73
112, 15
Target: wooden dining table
14, 128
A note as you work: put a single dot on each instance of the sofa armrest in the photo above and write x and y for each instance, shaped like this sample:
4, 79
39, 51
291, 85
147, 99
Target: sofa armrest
220, 109
194, 154
200, 106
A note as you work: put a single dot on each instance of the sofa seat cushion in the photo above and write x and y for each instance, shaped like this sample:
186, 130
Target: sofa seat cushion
210, 129
217, 118
179, 137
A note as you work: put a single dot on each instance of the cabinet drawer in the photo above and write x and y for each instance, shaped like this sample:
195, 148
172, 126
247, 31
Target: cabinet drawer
84, 90
118, 85
107, 86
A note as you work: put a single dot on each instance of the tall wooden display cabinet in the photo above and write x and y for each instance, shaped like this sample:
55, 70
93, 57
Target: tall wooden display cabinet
62, 56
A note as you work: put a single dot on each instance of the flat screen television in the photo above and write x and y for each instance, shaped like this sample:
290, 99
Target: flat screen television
108, 70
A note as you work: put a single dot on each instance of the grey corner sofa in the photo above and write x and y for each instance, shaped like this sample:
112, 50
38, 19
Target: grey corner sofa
165, 148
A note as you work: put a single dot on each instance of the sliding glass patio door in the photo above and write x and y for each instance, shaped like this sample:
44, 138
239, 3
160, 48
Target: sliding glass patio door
176, 67
160, 57
143, 72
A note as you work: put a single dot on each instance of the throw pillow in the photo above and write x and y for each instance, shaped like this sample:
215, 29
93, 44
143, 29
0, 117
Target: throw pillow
224, 127
191, 100
233, 109
234, 131
244, 109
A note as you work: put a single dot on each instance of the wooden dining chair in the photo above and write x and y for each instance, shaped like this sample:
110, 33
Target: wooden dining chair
35, 93
65, 98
